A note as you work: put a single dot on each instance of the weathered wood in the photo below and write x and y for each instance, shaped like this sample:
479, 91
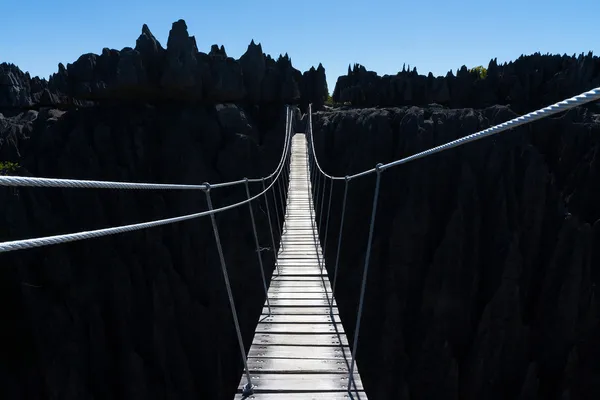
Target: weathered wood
295, 365
291, 271
265, 327
298, 295
299, 285
340, 395
301, 319
296, 289
299, 310
271, 382
320, 352
300, 350
300, 302
298, 262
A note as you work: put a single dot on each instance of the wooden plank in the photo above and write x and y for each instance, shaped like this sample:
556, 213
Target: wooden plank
301, 319
298, 237
265, 327
291, 271
299, 264
299, 310
267, 382
300, 302
308, 339
297, 248
302, 286
340, 395
290, 284
302, 268
298, 295
307, 239
291, 250
298, 278
320, 352
297, 234
309, 245
298, 289
295, 365
298, 244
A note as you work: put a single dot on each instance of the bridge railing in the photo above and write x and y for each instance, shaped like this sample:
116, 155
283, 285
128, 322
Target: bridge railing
320, 178
270, 185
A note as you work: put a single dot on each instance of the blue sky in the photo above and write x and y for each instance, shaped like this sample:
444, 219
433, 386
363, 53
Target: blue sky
432, 35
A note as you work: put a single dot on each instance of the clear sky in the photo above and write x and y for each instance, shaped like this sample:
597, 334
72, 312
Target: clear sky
433, 35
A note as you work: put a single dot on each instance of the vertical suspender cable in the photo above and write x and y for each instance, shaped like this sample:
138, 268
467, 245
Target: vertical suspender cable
248, 388
364, 279
328, 214
260, 263
270, 225
320, 226
339, 246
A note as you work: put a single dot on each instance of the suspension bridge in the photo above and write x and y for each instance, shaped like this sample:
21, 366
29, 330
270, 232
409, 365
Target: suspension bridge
299, 349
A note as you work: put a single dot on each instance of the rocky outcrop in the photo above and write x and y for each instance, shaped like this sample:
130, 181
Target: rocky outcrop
18, 89
315, 88
483, 279
140, 315
151, 73
528, 83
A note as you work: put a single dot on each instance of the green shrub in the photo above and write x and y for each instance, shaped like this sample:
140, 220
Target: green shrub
480, 71
7, 167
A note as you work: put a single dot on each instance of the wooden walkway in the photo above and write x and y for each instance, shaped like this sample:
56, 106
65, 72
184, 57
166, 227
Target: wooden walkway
300, 351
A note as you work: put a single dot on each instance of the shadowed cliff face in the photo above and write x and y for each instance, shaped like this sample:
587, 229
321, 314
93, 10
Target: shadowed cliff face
141, 315
485, 261
526, 84
179, 72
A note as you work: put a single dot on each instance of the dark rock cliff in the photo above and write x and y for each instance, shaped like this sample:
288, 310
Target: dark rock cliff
141, 315
485, 262
528, 83
179, 73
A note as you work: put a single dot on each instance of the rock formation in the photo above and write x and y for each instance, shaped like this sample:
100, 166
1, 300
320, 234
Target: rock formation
528, 83
141, 315
485, 264
151, 73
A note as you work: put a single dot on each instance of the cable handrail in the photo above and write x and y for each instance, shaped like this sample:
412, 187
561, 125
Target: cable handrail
564, 105
70, 237
27, 181
23, 181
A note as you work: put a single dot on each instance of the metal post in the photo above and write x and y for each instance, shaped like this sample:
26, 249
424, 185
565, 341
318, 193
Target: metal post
270, 225
320, 227
364, 279
248, 388
328, 215
260, 263
276, 212
281, 201
339, 246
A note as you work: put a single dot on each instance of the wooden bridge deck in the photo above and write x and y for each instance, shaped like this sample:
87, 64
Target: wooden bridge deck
300, 351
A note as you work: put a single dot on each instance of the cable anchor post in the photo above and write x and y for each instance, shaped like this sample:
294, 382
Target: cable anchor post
248, 388
378, 169
257, 244
275, 252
